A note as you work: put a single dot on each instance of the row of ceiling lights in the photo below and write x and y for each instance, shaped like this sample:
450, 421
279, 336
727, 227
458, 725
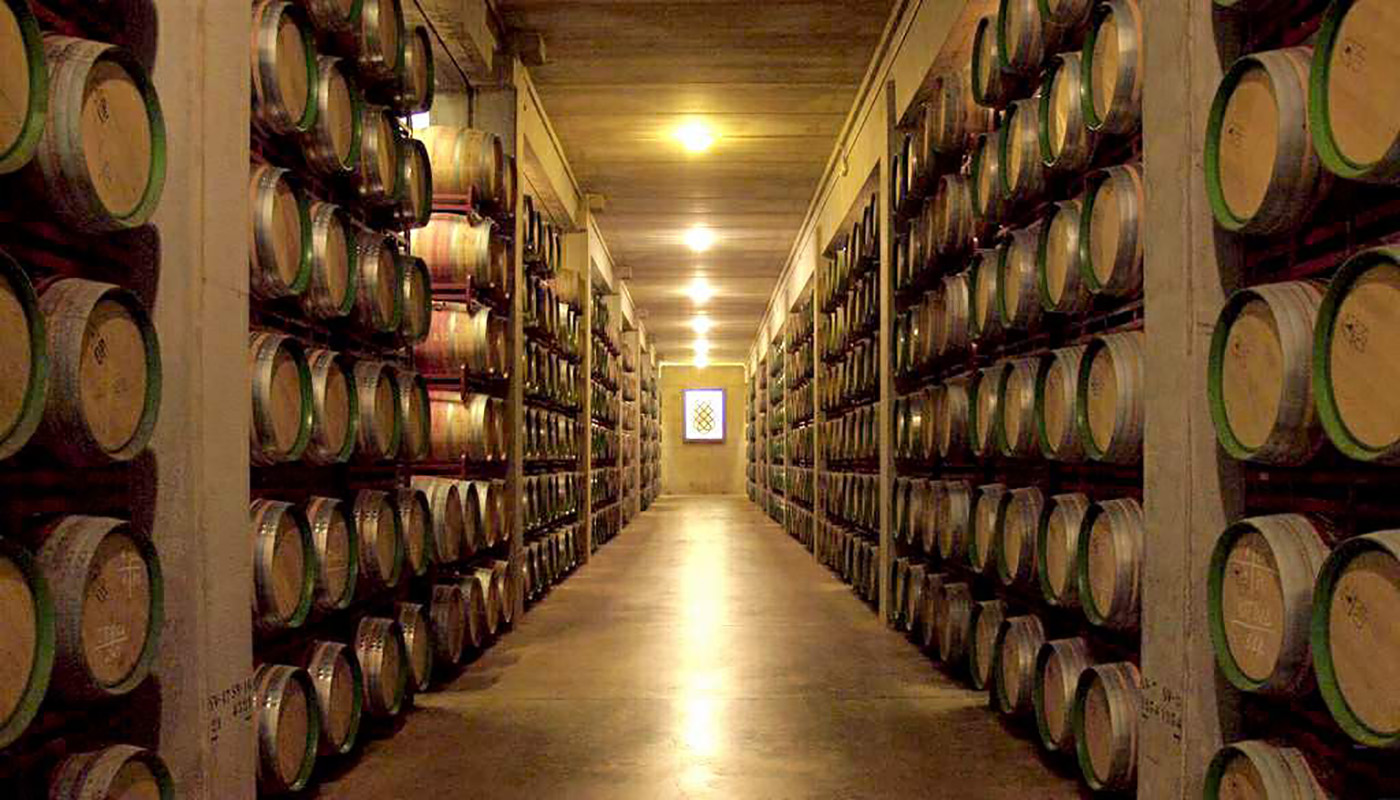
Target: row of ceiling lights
697, 137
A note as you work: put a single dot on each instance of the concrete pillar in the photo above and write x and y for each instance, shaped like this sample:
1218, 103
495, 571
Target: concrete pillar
204, 668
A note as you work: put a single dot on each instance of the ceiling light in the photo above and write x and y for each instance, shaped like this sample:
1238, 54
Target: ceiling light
420, 121
701, 360
700, 238
695, 136
702, 325
700, 291
701, 346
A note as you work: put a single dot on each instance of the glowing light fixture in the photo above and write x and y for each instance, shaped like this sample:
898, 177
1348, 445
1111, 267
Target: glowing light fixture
701, 345
702, 324
420, 121
700, 291
700, 238
695, 136
702, 360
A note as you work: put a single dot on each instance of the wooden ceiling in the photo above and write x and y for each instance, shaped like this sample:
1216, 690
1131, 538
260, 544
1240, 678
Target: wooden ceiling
773, 78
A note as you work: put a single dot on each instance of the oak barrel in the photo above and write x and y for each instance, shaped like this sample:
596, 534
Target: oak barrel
288, 721
952, 334
416, 526
378, 172
334, 264
282, 402
339, 683
379, 306
1026, 35
1111, 226
281, 252
1354, 121
420, 72
1057, 548
332, 144
1057, 406
27, 627
24, 83
952, 512
459, 337
954, 412
988, 201
1018, 525
285, 73
414, 414
1059, 276
461, 252
1110, 397
1258, 769
1105, 718
1018, 642
1058, 666
418, 642
24, 358
122, 772
284, 566
1066, 143
992, 86
381, 417
467, 163
1017, 300
1020, 168
449, 609
955, 626
381, 538
335, 408
415, 207
1111, 542
983, 279
1114, 67
417, 299
987, 616
337, 551
1017, 406
383, 657
954, 116
981, 546
379, 40
986, 410
449, 525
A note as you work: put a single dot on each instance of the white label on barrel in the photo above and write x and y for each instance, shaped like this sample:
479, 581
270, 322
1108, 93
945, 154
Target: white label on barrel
14, 80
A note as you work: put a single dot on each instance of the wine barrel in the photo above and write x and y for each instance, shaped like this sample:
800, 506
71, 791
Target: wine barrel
335, 674
1109, 397
446, 505
379, 40
460, 252
27, 625
379, 169
1018, 642
1261, 580
335, 408
1114, 68
416, 526
955, 625
987, 616
466, 163
491, 593
952, 218
1058, 666
1105, 717
1263, 175
283, 405
460, 338
337, 553
1017, 300
1057, 548
954, 411
117, 771
416, 176
1357, 136
1260, 380
1351, 377
381, 419
414, 414
383, 657
952, 332
379, 301
420, 73
418, 643
931, 596
986, 410
1260, 769
1355, 647
24, 357
1018, 525
100, 163
1017, 406
381, 538
1111, 232
988, 202
449, 612
330, 289
1066, 143
1057, 406
1026, 35
25, 85
983, 278
504, 577
951, 503
448, 426
104, 639
285, 69
334, 16
476, 635
284, 566
981, 546
1021, 170
1060, 279
992, 86
289, 728
281, 250
1110, 563
954, 117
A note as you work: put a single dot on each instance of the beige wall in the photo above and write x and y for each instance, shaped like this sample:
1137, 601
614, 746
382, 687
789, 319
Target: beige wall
702, 468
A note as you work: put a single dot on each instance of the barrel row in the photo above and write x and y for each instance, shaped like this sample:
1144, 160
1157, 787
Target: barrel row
801, 485
802, 526
853, 436
852, 556
551, 559
853, 377
550, 316
852, 262
543, 246
851, 497
548, 499
549, 378
550, 435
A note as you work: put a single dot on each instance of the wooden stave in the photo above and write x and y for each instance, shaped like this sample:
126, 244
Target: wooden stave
444, 494
1077, 154
372, 59
1020, 131
1328, 410
370, 444
408, 103
1076, 505
316, 300
264, 348
41, 671
316, 143
374, 186
1074, 656
1023, 636
1026, 314
1021, 406
954, 416
265, 516
80, 776
1129, 529
504, 577
1023, 51
985, 402
1030, 502
413, 622
477, 166
1385, 170
57, 174
954, 517
19, 153
1287, 203
1296, 435
35, 400
326, 16
1127, 680
1284, 771
1071, 447
372, 635
953, 229
984, 514
1125, 443
983, 263
449, 643
1299, 551
270, 110
1001, 85
319, 449
319, 511
955, 626
414, 212
365, 512
953, 333
419, 555
994, 612
476, 612
463, 263
270, 681
1125, 111
988, 207
265, 279
321, 662
367, 311
1125, 281
413, 391
491, 593
1076, 297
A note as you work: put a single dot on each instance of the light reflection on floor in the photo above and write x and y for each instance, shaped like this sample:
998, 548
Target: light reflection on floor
700, 708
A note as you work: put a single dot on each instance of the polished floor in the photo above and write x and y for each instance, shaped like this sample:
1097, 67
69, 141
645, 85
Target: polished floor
701, 654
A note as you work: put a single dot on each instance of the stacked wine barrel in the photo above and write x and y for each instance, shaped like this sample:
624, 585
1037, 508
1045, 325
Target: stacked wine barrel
799, 438
1300, 144
605, 390
82, 595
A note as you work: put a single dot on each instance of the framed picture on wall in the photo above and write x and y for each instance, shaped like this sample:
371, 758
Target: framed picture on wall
704, 415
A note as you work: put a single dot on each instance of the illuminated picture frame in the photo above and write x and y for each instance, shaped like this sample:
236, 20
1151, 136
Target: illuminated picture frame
704, 416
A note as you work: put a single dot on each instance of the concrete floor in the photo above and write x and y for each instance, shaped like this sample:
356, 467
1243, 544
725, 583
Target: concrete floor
702, 653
